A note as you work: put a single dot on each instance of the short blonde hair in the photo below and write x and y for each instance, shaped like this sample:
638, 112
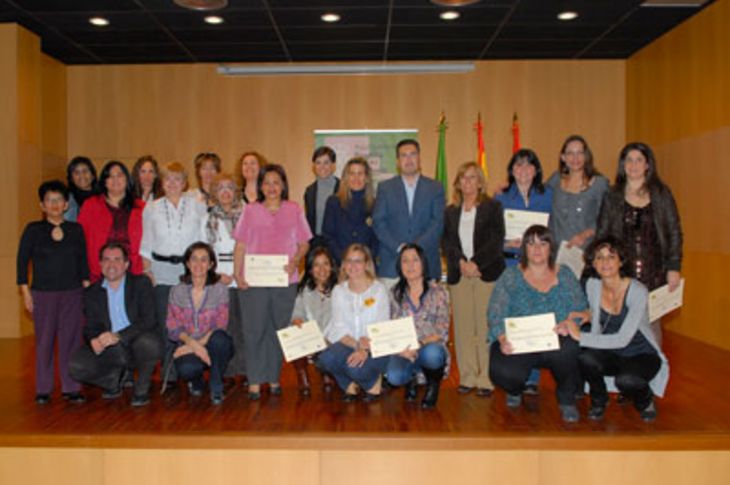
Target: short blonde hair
369, 265
174, 168
458, 195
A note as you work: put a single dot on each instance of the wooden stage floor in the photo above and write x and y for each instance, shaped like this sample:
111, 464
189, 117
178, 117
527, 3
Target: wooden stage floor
695, 414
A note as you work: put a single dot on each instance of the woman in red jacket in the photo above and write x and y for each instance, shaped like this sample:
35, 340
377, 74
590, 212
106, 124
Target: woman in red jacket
114, 216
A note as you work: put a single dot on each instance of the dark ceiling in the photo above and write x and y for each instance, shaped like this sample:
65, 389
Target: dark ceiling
158, 31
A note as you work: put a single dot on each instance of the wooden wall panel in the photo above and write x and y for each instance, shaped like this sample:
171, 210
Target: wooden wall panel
53, 120
176, 111
678, 101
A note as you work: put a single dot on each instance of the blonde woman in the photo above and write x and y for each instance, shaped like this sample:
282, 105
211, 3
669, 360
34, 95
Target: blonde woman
472, 242
347, 213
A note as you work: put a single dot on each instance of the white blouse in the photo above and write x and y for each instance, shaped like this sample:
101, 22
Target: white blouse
353, 312
168, 231
223, 247
466, 231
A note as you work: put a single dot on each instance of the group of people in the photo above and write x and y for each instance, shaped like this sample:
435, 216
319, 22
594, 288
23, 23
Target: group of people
164, 271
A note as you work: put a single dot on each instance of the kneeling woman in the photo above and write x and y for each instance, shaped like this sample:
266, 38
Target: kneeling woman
357, 301
534, 287
620, 342
427, 302
197, 317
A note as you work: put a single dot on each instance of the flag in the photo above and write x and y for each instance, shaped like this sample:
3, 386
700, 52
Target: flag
441, 155
515, 134
481, 155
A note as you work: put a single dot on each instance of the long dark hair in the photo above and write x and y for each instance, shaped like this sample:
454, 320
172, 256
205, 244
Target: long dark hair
540, 233
81, 195
589, 170
212, 277
530, 157
307, 280
127, 202
400, 290
156, 185
651, 182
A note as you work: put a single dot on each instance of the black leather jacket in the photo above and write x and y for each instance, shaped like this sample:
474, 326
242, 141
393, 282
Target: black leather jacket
666, 221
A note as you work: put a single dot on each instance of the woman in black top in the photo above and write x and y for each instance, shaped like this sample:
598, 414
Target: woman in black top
57, 250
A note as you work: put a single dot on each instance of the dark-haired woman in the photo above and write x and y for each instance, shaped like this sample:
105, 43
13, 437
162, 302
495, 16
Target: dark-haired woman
536, 286
82, 184
57, 251
472, 242
417, 296
347, 214
115, 216
146, 178
641, 211
197, 318
620, 343
251, 164
578, 190
314, 302
273, 225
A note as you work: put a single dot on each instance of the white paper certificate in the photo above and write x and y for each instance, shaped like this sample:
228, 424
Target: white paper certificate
532, 334
266, 270
516, 222
663, 301
392, 337
297, 342
572, 257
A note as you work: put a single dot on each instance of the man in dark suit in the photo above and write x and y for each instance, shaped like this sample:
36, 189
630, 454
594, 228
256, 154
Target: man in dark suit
409, 209
120, 329
317, 193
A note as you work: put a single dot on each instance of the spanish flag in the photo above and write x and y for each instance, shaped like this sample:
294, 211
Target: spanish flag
481, 155
515, 134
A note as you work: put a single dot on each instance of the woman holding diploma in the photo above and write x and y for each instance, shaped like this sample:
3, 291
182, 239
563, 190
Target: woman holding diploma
640, 210
357, 301
314, 302
534, 287
417, 296
472, 243
273, 225
620, 342
578, 189
197, 318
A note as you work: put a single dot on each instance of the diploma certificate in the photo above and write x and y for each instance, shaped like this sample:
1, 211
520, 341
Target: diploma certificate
532, 334
297, 342
663, 301
516, 222
266, 270
572, 257
392, 337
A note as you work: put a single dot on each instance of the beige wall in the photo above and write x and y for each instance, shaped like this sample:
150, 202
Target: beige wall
176, 111
678, 100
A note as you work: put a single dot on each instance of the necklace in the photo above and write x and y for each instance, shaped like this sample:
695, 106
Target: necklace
182, 214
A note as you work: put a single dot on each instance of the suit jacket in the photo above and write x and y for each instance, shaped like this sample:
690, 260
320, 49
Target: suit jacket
393, 225
310, 204
139, 303
488, 240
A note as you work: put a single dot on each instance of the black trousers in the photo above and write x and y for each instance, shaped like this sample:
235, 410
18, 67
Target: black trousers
632, 374
510, 372
106, 369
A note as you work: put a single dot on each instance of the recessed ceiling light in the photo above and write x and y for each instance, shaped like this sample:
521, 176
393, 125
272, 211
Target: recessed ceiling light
450, 15
99, 21
568, 15
330, 17
213, 20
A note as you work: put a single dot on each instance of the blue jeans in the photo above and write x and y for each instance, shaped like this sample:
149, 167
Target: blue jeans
401, 371
334, 361
220, 349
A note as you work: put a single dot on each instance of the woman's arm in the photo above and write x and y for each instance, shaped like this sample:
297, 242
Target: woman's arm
638, 312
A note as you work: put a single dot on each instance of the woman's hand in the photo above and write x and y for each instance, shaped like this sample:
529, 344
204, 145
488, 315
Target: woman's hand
182, 350
226, 279
200, 351
469, 269
409, 354
568, 328
297, 322
357, 358
291, 267
430, 339
151, 276
27, 298
363, 343
673, 279
580, 238
504, 345
241, 282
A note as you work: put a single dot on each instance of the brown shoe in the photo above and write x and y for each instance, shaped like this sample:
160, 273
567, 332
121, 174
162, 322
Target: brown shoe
301, 366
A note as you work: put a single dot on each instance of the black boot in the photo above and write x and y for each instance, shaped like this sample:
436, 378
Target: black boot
411, 390
433, 384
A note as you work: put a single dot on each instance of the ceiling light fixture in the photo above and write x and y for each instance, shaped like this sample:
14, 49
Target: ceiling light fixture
213, 20
450, 15
99, 21
330, 17
454, 3
568, 15
202, 5
347, 69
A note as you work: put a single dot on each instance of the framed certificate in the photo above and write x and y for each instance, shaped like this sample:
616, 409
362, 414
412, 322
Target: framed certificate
517, 221
266, 270
663, 301
532, 334
297, 342
392, 337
